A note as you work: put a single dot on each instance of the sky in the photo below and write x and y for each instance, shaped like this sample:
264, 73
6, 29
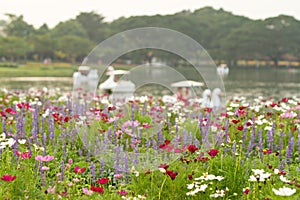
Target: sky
51, 12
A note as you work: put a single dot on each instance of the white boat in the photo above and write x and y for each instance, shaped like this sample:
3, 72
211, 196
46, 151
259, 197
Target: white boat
223, 70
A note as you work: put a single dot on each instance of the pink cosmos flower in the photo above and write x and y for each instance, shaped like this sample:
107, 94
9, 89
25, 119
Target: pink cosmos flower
79, 170
87, 191
146, 125
122, 192
118, 176
44, 158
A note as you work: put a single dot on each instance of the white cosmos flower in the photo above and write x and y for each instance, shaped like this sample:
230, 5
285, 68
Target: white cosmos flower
22, 141
268, 128
283, 179
219, 193
276, 171
284, 191
234, 105
2, 137
252, 179
264, 176
230, 113
189, 186
162, 170
258, 171
202, 188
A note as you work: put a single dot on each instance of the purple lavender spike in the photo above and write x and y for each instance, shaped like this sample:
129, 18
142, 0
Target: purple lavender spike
299, 145
62, 170
281, 140
4, 126
93, 172
289, 150
260, 144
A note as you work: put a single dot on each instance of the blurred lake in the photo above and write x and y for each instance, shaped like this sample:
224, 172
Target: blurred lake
250, 82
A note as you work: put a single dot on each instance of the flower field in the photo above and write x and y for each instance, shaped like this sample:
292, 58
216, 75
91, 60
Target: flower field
54, 148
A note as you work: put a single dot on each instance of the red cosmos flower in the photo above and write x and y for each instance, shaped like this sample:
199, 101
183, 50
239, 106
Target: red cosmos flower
11, 111
8, 178
285, 100
235, 121
112, 108
172, 174
267, 151
246, 191
208, 110
165, 166
97, 189
164, 145
192, 148
190, 177
103, 181
282, 173
66, 119
240, 128
79, 170
213, 152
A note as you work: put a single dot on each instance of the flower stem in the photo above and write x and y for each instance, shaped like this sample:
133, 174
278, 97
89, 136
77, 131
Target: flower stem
162, 185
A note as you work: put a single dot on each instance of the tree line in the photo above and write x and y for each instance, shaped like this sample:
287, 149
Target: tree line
225, 36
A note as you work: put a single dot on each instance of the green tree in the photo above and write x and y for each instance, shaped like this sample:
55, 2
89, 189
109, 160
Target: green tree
94, 26
16, 26
75, 48
70, 27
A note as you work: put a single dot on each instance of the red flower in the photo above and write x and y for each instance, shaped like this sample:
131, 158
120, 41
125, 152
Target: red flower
79, 170
8, 178
213, 152
66, 119
246, 191
240, 128
164, 145
235, 121
192, 148
165, 166
267, 151
97, 189
190, 177
103, 181
285, 100
172, 174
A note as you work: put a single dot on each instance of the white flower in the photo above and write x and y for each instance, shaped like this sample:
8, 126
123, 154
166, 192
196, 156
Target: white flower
162, 170
230, 113
219, 193
189, 186
252, 179
258, 171
264, 176
2, 137
22, 141
276, 171
283, 179
136, 173
268, 128
284, 191
203, 187
234, 105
